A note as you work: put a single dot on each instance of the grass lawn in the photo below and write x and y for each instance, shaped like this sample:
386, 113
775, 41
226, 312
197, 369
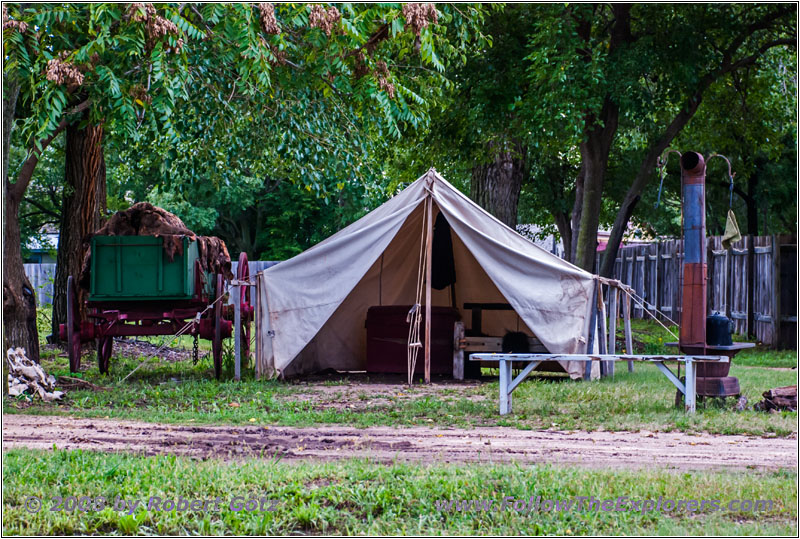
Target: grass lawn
359, 497
183, 393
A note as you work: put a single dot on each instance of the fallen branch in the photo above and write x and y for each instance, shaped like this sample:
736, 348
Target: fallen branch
70, 381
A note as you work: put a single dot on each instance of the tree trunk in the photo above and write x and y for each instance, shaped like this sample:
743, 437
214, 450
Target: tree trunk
19, 298
10, 93
564, 230
82, 211
496, 185
585, 243
575, 219
594, 161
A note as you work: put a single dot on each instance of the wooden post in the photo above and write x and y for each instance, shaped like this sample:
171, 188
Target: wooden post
776, 291
587, 369
613, 311
626, 320
603, 340
428, 266
613, 314
458, 351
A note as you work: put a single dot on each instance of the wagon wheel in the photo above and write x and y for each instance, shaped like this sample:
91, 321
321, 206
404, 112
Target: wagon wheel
243, 274
104, 347
73, 326
216, 344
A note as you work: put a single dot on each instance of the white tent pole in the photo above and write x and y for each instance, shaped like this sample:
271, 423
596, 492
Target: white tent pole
428, 266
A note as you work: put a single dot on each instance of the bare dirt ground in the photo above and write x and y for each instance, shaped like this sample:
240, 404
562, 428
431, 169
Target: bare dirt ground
386, 444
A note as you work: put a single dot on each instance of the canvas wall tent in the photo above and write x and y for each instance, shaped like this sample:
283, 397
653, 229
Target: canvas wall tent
313, 306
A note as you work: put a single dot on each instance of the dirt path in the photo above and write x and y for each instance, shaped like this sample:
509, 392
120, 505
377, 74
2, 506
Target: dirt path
386, 444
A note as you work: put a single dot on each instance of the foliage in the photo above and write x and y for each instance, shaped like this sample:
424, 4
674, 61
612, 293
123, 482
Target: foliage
203, 99
553, 68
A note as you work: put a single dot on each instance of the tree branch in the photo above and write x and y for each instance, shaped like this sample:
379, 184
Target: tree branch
44, 210
17, 189
749, 60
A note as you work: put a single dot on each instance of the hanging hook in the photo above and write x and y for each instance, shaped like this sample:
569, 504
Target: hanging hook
661, 165
731, 174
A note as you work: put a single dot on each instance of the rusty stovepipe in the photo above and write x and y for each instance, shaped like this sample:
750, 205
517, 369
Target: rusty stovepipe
695, 269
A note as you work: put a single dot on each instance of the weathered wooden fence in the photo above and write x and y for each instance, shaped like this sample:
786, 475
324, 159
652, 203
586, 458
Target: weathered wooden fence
749, 283
42, 277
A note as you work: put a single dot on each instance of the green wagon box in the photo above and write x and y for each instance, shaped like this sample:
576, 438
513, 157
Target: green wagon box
137, 268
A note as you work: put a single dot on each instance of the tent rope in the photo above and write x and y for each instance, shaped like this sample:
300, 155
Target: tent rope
415, 314
637, 299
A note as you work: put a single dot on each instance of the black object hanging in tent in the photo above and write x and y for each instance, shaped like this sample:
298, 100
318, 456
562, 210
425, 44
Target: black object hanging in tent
443, 265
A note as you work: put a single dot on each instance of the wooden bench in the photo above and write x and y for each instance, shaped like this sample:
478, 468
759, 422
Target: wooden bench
508, 383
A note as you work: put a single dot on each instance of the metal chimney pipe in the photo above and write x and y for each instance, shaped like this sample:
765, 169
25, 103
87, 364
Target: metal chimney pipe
695, 269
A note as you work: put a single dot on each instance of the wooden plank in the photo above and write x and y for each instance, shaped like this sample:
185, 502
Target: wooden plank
428, 266
658, 274
495, 344
646, 286
603, 338
749, 307
489, 306
776, 291
587, 372
613, 313
588, 358
458, 351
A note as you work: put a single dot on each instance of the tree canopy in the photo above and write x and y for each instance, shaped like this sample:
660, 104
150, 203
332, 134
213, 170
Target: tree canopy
274, 125
215, 95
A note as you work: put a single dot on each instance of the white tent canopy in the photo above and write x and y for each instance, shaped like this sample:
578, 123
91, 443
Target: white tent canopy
312, 308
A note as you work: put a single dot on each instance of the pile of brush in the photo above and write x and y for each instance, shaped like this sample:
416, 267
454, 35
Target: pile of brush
144, 219
779, 399
27, 378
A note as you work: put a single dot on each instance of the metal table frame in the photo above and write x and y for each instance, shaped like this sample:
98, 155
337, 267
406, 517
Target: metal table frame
508, 383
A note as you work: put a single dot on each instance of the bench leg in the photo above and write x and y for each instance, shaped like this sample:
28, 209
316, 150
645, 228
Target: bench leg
505, 381
690, 396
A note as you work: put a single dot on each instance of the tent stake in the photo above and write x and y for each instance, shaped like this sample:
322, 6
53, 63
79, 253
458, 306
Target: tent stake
428, 266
